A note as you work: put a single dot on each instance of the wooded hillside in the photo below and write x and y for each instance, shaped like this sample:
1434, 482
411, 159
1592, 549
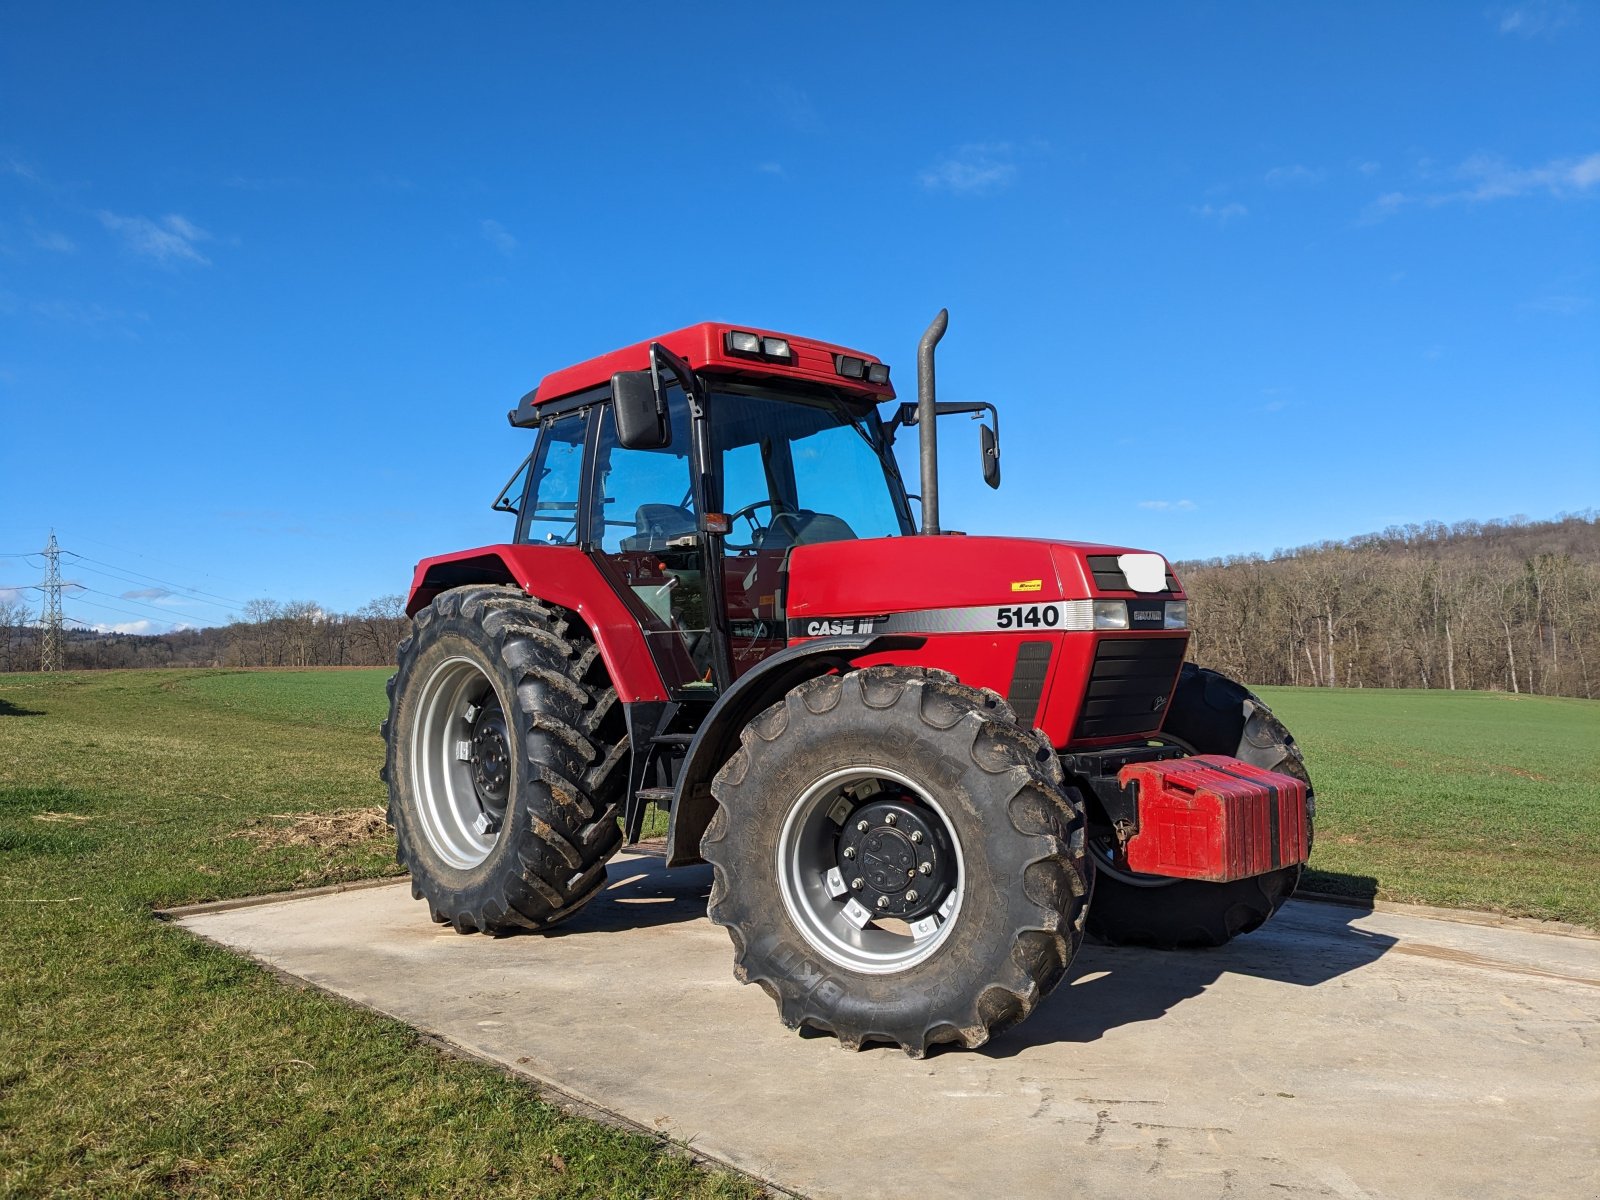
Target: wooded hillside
1507, 605
1500, 605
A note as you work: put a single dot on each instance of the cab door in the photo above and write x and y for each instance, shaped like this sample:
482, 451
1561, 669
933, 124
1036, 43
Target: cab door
645, 530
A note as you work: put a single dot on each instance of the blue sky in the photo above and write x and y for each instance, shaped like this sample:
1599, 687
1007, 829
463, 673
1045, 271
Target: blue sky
1239, 276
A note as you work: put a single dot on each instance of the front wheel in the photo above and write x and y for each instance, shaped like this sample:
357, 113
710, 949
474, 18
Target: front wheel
504, 762
896, 861
1210, 714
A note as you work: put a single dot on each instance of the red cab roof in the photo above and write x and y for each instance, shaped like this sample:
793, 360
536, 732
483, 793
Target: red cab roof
704, 347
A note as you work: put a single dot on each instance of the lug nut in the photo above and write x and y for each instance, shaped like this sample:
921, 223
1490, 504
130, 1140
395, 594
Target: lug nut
891, 819
862, 827
883, 902
849, 851
916, 836
911, 896
926, 868
856, 885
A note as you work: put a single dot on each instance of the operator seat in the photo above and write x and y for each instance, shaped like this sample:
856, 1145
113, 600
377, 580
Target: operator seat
656, 525
805, 527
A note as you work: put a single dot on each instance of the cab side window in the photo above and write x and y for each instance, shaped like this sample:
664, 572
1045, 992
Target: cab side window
550, 512
643, 498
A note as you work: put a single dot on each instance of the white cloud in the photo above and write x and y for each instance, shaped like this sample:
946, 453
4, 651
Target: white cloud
770, 168
60, 243
1295, 173
1222, 213
152, 593
1485, 177
973, 170
133, 627
498, 236
1537, 17
1169, 505
1561, 306
171, 240
1369, 167
10, 595
796, 109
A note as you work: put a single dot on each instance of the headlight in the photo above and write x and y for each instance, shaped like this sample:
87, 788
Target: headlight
1177, 614
1110, 614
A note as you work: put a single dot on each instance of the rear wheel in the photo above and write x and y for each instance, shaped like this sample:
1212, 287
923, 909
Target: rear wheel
505, 761
1210, 714
896, 861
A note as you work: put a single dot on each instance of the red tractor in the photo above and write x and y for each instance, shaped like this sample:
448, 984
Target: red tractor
910, 757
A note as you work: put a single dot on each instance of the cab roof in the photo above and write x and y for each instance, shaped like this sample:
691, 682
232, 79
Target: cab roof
707, 347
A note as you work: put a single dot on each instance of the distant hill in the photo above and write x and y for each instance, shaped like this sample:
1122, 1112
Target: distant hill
1509, 605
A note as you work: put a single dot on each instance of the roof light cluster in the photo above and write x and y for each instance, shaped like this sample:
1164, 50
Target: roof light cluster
751, 345
852, 367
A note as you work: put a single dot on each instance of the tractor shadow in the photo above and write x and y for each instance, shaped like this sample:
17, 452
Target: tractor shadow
640, 893
1108, 987
8, 709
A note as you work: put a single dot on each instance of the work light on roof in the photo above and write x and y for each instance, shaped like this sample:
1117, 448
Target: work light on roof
754, 345
854, 367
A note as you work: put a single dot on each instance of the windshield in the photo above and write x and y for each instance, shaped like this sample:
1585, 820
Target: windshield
805, 468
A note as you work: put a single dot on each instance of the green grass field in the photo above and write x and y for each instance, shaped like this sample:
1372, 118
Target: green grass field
1462, 799
137, 1060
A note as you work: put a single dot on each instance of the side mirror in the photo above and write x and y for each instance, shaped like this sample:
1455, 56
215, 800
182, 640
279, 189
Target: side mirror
640, 411
990, 441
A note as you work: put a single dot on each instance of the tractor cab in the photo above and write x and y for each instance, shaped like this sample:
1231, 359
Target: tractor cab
692, 482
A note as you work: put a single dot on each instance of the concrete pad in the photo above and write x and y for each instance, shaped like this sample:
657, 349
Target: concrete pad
1337, 1052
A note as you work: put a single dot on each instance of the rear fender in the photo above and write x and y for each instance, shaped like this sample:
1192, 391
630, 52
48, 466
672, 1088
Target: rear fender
718, 737
560, 575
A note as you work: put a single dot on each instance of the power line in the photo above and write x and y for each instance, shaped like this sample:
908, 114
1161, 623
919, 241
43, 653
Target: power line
160, 612
152, 558
108, 608
195, 595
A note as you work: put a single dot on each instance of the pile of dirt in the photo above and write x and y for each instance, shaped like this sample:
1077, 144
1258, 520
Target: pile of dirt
325, 831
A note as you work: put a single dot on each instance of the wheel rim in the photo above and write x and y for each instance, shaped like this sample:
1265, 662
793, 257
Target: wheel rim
461, 764
906, 830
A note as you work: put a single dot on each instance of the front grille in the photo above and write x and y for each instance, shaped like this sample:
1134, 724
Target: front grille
1108, 577
1129, 684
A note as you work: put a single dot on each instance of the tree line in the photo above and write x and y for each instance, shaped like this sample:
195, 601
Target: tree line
297, 633
1501, 605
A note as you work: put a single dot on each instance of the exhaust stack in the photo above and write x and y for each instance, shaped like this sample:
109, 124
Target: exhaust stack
928, 422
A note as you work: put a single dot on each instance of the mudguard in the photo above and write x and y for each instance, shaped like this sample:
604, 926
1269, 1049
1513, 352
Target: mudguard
562, 575
718, 736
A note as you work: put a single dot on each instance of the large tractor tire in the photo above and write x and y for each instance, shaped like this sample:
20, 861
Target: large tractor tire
896, 861
506, 761
1210, 714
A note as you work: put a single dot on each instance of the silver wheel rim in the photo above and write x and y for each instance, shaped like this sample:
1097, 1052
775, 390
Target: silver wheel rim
452, 819
804, 859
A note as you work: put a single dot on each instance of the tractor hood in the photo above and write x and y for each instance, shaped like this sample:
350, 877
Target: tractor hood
880, 576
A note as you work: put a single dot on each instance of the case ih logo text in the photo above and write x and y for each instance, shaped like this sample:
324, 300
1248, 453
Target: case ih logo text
847, 626
1148, 614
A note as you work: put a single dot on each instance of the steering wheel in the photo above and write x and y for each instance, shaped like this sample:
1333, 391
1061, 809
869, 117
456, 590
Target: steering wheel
748, 512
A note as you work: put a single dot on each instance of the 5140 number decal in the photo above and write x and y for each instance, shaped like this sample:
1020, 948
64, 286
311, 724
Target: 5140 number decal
1028, 616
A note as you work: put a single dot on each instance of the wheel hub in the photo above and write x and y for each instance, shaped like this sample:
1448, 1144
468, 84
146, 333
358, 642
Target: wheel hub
896, 862
491, 760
